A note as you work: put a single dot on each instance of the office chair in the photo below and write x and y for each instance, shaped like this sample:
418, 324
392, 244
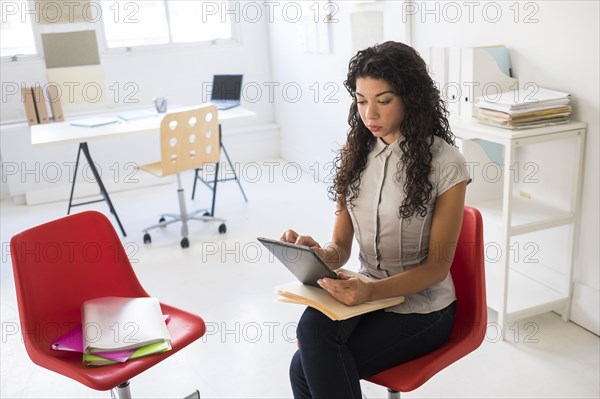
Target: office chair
470, 323
60, 264
188, 140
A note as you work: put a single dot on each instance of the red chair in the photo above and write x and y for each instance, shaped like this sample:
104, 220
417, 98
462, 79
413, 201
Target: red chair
471, 314
59, 265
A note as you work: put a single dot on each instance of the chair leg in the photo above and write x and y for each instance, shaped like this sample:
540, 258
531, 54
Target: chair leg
393, 394
121, 392
182, 208
183, 217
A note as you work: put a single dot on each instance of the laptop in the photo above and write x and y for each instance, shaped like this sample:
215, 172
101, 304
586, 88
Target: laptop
226, 91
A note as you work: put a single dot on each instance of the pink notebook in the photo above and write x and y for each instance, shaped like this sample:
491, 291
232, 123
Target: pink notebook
73, 341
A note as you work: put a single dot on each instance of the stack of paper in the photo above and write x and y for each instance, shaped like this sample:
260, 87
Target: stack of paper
524, 109
116, 330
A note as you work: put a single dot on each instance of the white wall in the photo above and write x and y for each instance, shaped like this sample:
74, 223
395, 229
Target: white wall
179, 72
315, 126
552, 43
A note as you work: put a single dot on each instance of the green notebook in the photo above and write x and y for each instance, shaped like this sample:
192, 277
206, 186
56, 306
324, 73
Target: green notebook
90, 360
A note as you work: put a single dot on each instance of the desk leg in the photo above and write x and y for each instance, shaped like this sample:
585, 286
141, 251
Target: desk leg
231, 165
213, 187
74, 179
105, 197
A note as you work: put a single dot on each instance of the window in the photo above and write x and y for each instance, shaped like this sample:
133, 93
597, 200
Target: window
139, 23
16, 32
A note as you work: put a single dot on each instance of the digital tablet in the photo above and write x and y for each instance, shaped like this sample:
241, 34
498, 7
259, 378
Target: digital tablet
302, 261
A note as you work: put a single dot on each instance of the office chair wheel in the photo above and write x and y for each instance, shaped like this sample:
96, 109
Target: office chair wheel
185, 242
222, 228
162, 220
147, 238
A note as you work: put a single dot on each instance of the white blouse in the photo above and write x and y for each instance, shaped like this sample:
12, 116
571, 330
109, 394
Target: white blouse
389, 244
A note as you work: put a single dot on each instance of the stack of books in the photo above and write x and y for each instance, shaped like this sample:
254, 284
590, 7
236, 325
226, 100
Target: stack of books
115, 330
525, 109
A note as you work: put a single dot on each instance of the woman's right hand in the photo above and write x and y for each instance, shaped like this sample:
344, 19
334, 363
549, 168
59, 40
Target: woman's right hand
292, 237
329, 254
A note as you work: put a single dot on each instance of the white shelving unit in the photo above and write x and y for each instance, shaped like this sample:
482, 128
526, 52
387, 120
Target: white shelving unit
527, 185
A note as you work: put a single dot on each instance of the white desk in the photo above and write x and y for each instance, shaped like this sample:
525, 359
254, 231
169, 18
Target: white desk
64, 132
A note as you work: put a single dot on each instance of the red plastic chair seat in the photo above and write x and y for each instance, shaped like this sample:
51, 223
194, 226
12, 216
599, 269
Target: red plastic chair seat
59, 265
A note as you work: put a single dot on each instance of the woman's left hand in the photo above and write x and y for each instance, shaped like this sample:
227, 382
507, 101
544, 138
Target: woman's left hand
347, 290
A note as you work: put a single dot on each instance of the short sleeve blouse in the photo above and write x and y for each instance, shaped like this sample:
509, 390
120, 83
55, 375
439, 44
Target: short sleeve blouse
390, 244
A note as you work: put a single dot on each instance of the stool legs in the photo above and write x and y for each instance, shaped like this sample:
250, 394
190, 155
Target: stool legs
182, 208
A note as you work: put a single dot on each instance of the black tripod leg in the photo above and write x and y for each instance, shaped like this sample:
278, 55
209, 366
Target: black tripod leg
214, 189
86, 152
195, 181
74, 178
231, 165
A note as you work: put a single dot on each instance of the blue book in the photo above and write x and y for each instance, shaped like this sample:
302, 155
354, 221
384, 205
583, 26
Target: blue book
94, 121
136, 114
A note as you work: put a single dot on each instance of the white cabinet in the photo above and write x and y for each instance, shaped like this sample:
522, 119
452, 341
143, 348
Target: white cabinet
527, 185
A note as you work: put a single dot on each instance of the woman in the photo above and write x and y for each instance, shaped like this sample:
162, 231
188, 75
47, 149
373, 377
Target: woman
399, 189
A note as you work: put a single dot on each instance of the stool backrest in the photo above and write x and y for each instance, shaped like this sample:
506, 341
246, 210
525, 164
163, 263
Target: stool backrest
188, 139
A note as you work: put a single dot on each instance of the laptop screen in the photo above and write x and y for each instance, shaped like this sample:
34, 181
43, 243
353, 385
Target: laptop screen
226, 88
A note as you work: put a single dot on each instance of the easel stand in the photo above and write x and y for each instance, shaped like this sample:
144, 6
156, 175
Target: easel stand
213, 185
86, 152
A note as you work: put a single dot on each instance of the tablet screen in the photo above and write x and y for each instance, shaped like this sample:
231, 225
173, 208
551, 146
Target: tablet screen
303, 262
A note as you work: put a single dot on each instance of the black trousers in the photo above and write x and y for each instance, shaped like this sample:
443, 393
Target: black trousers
335, 355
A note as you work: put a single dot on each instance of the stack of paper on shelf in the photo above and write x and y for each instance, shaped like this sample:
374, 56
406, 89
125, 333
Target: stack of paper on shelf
115, 330
524, 109
318, 298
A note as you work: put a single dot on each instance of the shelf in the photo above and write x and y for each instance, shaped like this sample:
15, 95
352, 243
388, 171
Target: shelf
526, 297
527, 215
535, 250
468, 128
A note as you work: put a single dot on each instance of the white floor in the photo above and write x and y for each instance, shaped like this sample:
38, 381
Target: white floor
228, 280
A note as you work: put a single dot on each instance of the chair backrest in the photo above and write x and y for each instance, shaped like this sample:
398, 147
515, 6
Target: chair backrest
189, 139
59, 265
468, 274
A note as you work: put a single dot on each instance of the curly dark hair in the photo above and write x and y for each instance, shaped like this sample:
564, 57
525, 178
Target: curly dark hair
425, 116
